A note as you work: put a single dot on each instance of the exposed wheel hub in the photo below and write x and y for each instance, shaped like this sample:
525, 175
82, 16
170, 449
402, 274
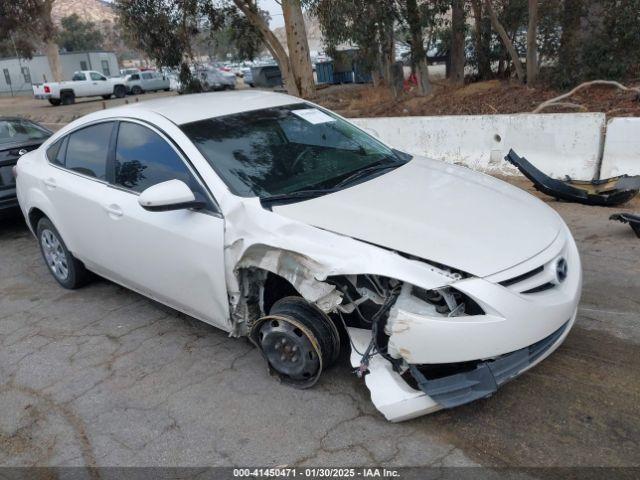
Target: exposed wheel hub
288, 349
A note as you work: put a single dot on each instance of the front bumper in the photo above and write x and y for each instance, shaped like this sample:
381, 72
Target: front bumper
398, 401
451, 361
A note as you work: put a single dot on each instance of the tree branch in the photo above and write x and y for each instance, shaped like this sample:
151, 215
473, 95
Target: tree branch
556, 100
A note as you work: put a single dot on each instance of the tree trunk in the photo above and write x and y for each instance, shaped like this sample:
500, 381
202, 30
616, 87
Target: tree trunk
532, 46
51, 47
569, 41
273, 44
482, 41
506, 41
456, 73
298, 47
418, 55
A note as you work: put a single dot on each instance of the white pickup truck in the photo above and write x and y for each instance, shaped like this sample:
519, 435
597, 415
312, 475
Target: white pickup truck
86, 83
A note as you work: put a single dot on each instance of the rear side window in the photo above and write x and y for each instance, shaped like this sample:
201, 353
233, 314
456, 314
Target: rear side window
144, 158
87, 150
55, 153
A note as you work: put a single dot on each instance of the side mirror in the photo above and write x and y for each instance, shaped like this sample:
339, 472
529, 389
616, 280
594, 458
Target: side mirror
169, 195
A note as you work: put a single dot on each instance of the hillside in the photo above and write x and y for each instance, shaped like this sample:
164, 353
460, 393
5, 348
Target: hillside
96, 11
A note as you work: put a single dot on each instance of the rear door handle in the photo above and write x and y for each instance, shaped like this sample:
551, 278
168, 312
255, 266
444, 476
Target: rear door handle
113, 210
50, 183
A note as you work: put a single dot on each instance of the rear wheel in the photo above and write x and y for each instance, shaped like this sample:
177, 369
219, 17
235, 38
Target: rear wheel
136, 90
65, 268
119, 91
298, 341
68, 98
54, 101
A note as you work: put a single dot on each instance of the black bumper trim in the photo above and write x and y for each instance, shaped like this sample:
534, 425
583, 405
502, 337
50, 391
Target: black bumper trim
484, 380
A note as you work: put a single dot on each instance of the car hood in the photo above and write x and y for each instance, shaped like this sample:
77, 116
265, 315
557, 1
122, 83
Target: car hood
439, 212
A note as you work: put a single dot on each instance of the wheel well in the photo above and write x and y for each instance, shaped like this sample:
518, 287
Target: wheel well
275, 288
67, 90
35, 214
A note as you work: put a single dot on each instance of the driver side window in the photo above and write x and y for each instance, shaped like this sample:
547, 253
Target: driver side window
143, 159
96, 76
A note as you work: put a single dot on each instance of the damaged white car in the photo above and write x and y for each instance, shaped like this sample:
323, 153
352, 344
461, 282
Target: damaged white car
272, 218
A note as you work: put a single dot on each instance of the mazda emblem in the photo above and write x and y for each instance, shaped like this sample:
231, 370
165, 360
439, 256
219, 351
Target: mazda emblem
561, 270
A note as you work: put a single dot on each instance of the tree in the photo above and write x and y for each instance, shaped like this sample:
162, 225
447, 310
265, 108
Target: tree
163, 29
77, 35
27, 23
457, 59
297, 74
482, 40
506, 41
298, 47
365, 24
532, 43
418, 55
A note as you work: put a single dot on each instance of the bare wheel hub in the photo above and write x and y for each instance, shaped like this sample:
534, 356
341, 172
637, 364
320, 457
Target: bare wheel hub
288, 349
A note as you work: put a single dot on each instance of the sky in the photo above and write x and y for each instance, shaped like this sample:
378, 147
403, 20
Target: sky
274, 10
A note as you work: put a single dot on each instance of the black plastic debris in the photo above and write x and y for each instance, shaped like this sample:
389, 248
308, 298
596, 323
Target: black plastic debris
609, 192
630, 218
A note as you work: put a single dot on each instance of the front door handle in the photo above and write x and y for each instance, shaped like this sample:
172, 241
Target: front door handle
50, 183
113, 210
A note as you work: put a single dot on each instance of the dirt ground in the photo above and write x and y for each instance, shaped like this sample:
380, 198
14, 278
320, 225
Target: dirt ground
491, 97
102, 376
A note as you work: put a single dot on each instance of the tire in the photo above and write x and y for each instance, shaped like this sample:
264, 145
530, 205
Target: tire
68, 98
54, 101
297, 340
136, 90
119, 91
68, 271
106, 97
251, 84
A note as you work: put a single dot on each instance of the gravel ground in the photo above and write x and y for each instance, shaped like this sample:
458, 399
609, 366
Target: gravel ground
102, 376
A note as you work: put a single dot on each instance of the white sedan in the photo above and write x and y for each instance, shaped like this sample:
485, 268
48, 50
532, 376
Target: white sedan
273, 218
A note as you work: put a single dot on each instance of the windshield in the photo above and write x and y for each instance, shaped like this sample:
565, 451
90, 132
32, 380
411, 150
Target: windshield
21, 131
286, 149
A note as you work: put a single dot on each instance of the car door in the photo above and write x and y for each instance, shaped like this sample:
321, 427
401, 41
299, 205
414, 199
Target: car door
98, 84
175, 257
147, 81
75, 181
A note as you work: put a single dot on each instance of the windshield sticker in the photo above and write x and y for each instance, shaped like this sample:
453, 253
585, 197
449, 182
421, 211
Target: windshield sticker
313, 116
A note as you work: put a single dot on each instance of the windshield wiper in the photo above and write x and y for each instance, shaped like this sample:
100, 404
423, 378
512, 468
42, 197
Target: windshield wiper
297, 195
368, 171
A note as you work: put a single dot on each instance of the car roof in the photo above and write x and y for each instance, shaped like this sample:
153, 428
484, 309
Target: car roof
182, 109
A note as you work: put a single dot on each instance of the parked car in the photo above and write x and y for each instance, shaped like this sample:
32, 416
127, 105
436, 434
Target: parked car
247, 76
270, 217
214, 79
17, 137
86, 83
138, 83
128, 71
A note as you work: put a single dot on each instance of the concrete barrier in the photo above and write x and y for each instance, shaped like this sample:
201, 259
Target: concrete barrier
621, 147
558, 144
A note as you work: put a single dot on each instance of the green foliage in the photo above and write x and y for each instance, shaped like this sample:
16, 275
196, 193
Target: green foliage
170, 31
22, 26
77, 35
607, 45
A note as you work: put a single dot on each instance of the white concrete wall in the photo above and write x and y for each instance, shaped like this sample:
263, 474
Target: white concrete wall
558, 144
621, 147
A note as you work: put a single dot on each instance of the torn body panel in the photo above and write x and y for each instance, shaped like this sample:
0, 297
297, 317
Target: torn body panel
630, 218
305, 256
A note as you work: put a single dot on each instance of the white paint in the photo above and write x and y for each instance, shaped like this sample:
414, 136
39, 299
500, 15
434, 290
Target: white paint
558, 144
621, 148
189, 259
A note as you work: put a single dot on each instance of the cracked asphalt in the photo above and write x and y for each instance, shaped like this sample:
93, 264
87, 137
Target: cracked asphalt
102, 376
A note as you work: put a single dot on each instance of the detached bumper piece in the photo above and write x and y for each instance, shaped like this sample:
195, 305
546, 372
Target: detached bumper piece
608, 192
630, 218
483, 380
